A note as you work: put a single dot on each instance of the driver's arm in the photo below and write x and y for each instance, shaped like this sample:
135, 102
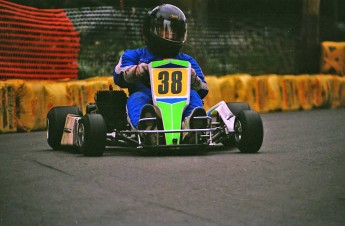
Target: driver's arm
129, 70
134, 73
198, 82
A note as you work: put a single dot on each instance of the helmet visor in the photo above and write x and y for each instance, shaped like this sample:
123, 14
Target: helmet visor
172, 30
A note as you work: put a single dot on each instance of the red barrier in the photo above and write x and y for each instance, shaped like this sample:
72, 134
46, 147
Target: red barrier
37, 43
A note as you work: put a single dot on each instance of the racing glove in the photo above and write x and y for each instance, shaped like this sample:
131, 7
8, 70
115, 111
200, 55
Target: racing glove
196, 82
136, 72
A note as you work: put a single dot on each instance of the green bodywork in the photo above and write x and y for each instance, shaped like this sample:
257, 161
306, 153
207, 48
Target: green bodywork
171, 108
172, 118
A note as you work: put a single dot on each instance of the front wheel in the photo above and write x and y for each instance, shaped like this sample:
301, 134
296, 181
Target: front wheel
92, 135
56, 118
249, 131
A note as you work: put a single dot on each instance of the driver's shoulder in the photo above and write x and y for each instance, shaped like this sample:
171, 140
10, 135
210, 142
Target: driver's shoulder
140, 55
186, 57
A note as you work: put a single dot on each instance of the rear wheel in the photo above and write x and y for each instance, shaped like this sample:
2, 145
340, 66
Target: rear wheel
235, 108
92, 135
56, 118
248, 131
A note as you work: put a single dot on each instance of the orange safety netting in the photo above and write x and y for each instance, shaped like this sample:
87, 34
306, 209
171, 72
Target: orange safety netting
37, 43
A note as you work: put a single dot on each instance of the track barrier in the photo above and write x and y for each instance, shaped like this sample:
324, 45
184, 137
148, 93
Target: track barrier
8, 121
214, 93
30, 101
41, 45
288, 89
244, 88
322, 94
227, 87
76, 91
25, 103
260, 94
305, 91
274, 98
333, 58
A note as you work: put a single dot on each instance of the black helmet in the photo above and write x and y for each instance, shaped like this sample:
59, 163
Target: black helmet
165, 30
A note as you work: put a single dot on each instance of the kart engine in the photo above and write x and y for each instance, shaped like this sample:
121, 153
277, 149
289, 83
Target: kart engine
111, 104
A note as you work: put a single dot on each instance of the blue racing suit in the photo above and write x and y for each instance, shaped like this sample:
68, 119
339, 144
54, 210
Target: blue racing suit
140, 93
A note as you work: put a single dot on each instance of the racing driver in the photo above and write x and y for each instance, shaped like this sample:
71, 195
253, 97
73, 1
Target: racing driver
164, 33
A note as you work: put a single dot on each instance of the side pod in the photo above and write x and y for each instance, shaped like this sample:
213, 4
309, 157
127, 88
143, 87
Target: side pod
70, 131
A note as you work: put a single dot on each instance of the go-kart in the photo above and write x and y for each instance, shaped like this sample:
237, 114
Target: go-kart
106, 123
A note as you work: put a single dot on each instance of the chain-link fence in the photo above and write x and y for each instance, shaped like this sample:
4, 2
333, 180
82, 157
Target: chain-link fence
243, 43
246, 43
104, 33
229, 36
37, 43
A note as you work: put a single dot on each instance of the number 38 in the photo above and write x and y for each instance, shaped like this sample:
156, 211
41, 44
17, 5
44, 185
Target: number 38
170, 82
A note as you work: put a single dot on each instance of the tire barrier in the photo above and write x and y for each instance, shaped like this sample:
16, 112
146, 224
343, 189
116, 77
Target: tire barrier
227, 88
244, 89
55, 94
288, 89
337, 88
260, 94
274, 98
93, 85
214, 93
341, 91
25, 103
331, 91
333, 57
30, 100
322, 95
7, 108
305, 91
76, 91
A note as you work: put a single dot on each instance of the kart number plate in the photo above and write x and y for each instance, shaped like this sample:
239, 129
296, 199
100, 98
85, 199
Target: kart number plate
170, 82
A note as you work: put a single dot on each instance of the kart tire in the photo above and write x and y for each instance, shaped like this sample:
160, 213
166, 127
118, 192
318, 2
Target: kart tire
92, 132
248, 131
237, 107
56, 118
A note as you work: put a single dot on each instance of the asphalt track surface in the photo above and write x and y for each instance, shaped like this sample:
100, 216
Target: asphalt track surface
297, 178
